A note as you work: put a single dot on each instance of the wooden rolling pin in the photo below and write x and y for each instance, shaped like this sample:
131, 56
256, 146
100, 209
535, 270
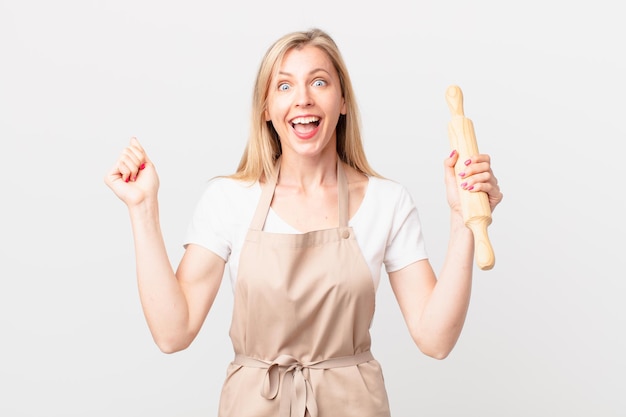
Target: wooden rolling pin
475, 205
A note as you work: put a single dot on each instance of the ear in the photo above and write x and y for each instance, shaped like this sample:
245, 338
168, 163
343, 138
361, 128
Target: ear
267, 115
343, 106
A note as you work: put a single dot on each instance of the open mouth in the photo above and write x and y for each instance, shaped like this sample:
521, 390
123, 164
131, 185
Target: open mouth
305, 124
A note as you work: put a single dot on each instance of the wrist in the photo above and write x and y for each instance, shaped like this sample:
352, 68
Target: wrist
147, 208
457, 224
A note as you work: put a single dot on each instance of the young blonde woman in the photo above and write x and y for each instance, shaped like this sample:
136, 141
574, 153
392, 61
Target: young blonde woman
304, 225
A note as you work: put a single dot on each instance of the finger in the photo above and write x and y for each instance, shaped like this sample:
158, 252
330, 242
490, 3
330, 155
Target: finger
494, 194
448, 165
135, 143
477, 182
136, 146
122, 170
472, 168
450, 161
128, 164
131, 156
490, 187
129, 170
137, 150
112, 176
477, 158
137, 158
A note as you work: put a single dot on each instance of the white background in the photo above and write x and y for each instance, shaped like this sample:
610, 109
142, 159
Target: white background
544, 83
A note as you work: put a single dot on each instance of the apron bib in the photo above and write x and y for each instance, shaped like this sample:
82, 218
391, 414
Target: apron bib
300, 327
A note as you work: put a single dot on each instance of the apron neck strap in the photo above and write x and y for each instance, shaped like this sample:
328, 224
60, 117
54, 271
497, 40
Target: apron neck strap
342, 197
267, 194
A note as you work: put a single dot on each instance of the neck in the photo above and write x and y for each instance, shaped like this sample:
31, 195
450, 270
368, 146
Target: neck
305, 173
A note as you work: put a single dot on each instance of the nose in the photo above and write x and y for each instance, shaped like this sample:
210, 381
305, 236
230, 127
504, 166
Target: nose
304, 97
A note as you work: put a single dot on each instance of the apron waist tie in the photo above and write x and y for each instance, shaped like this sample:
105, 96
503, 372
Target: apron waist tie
296, 392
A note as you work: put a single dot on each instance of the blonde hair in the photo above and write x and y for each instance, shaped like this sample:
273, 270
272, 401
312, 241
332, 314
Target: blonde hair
263, 147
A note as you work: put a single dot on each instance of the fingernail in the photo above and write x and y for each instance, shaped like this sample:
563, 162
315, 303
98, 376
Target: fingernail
470, 188
127, 179
452, 153
142, 166
461, 174
469, 161
463, 184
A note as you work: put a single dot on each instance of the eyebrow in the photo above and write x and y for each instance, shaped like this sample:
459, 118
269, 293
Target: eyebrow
310, 72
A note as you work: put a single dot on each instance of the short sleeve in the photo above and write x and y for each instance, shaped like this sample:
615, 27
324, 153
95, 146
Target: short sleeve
209, 224
405, 243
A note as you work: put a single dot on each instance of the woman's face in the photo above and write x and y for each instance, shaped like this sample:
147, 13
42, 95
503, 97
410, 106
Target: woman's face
304, 102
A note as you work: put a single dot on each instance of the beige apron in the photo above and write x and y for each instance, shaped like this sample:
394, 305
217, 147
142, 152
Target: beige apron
300, 328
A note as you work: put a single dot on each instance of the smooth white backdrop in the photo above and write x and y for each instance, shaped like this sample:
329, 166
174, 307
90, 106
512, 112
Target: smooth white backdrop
544, 83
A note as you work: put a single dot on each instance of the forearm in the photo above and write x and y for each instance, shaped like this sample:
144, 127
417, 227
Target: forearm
444, 314
162, 299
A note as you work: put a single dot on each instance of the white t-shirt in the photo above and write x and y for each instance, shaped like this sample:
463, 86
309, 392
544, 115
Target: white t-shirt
386, 225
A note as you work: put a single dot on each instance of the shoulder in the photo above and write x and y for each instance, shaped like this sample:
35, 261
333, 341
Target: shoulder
230, 189
387, 191
386, 201
227, 183
226, 198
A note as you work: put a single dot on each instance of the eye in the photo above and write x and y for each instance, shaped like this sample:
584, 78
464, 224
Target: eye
319, 83
283, 86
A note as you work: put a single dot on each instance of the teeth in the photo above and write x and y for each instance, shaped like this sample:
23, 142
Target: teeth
304, 120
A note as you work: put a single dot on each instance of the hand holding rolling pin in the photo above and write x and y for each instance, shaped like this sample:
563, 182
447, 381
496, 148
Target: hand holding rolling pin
478, 192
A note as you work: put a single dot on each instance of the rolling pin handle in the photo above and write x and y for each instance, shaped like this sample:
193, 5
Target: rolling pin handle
454, 97
483, 252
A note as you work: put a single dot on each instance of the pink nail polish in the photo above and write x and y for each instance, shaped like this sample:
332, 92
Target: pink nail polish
142, 166
469, 161
461, 174
463, 185
452, 153
470, 188
127, 179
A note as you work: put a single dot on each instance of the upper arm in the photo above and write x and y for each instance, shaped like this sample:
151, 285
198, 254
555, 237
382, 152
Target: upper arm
200, 275
412, 286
